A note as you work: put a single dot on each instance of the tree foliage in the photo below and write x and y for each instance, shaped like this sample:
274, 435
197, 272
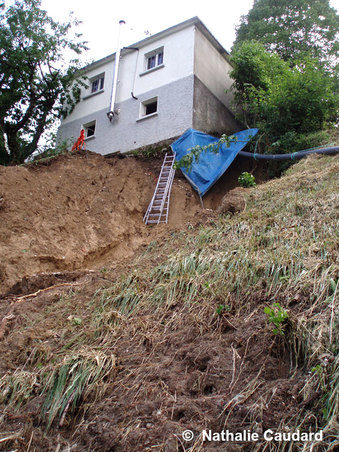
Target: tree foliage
286, 103
293, 28
36, 83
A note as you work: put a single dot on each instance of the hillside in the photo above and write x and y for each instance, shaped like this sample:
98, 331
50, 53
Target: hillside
75, 213
144, 333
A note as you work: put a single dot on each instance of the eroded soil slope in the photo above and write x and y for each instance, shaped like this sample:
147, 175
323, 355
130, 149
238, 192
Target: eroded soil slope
130, 356
76, 212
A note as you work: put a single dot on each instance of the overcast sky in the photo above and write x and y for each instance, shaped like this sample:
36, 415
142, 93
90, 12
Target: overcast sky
144, 17
101, 17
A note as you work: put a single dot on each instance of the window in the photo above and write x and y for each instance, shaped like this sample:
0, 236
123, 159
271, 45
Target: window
97, 84
151, 61
154, 59
149, 107
89, 129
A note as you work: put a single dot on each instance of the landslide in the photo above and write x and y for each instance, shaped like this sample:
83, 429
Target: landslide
65, 215
176, 338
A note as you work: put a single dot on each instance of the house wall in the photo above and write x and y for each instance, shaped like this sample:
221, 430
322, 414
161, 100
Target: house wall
212, 68
210, 114
128, 132
212, 104
172, 84
178, 64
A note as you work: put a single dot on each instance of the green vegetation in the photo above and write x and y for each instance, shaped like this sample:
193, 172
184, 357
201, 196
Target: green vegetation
278, 316
246, 180
284, 57
292, 106
36, 83
73, 381
292, 28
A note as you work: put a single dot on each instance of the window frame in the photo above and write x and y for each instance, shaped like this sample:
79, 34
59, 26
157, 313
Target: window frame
143, 108
100, 78
157, 58
86, 128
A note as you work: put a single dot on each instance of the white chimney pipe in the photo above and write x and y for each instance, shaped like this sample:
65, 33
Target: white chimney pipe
111, 112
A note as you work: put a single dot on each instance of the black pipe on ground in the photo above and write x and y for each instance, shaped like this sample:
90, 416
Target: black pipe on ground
294, 156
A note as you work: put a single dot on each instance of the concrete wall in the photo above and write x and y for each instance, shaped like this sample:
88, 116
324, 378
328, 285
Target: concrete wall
212, 68
127, 131
210, 114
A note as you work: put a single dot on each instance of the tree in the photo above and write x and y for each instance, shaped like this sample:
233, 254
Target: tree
289, 105
293, 28
36, 83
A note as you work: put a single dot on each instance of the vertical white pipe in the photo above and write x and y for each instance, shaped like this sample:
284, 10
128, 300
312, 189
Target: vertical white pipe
116, 71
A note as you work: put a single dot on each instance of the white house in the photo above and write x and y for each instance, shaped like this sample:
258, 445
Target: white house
166, 83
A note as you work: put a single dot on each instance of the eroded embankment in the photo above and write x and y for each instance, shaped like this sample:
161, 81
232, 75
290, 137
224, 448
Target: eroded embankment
78, 212
74, 212
128, 358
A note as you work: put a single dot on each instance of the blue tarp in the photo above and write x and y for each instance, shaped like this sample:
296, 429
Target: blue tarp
211, 166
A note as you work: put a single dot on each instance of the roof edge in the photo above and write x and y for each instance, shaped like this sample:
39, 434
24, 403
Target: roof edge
182, 25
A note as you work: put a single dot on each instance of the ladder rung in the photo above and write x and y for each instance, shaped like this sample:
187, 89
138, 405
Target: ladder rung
157, 211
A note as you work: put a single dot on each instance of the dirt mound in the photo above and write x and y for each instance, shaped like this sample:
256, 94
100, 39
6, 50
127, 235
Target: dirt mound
83, 212
233, 201
173, 371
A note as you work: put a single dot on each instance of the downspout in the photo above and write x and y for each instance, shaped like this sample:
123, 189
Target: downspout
135, 70
112, 112
6, 143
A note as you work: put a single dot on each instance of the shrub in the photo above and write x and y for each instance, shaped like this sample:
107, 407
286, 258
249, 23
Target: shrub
246, 180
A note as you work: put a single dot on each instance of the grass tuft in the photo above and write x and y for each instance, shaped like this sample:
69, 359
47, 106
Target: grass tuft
71, 383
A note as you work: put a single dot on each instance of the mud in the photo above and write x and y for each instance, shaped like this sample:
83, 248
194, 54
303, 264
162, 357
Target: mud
80, 212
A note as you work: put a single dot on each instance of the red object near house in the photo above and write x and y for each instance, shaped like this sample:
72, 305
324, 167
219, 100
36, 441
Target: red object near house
80, 144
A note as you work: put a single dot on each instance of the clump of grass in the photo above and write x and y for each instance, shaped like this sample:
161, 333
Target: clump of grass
71, 383
18, 387
246, 180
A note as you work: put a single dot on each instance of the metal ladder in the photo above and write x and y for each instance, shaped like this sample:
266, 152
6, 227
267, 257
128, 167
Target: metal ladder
158, 208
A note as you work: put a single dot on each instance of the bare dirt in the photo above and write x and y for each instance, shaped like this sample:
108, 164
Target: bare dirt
80, 212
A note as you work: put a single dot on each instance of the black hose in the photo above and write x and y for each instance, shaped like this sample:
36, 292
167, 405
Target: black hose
294, 156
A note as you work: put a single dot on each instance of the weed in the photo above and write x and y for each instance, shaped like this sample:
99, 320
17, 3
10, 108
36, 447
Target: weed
17, 388
318, 369
246, 180
221, 309
278, 316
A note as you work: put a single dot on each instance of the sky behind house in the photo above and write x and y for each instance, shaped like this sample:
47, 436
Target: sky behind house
101, 18
144, 17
